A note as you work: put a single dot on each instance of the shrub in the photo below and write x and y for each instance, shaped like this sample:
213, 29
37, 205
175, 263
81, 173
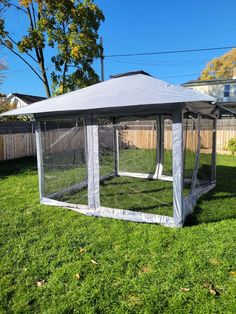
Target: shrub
232, 145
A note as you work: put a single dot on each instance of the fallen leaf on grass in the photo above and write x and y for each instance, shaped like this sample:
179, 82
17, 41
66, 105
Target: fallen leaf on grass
211, 288
82, 250
134, 299
77, 276
146, 269
116, 246
214, 261
232, 273
213, 291
116, 284
207, 285
40, 283
94, 262
184, 289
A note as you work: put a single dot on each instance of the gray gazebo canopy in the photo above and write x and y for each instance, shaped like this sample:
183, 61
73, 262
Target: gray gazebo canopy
136, 93
126, 98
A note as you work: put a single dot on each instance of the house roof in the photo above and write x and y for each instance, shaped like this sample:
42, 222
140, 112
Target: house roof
28, 99
209, 82
136, 91
129, 74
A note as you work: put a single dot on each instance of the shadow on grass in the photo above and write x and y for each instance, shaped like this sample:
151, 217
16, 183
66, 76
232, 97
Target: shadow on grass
148, 208
220, 203
19, 165
138, 192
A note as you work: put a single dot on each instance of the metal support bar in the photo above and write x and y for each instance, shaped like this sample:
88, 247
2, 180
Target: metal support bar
213, 170
144, 176
197, 156
161, 146
116, 148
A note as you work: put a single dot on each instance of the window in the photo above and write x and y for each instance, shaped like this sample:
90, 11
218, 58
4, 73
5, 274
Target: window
226, 90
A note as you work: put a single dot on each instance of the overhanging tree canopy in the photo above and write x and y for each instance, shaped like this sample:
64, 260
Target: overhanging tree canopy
221, 67
71, 27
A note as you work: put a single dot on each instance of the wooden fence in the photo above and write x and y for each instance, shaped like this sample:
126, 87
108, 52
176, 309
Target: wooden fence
146, 136
18, 139
226, 129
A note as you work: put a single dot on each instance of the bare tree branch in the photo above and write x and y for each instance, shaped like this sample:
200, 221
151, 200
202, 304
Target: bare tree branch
26, 62
33, 10
32, 27
30, 18
17, 7
14, 42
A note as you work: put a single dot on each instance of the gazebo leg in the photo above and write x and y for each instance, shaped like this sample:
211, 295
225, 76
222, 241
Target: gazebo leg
161, 145
93, 163
177, 165
39, 158
213, 170
116, 148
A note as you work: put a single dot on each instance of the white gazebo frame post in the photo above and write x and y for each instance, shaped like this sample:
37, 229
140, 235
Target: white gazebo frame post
39, 152
177, 167
93, 163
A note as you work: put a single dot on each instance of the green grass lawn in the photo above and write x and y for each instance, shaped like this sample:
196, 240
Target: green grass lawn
54, 260
150, 196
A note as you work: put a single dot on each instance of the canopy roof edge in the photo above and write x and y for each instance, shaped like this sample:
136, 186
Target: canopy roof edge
138, 91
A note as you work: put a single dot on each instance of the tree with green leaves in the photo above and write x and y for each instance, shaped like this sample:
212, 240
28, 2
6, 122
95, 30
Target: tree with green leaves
221, 67
70, 27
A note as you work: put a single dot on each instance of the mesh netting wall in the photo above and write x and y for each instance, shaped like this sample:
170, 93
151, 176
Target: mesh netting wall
135, 161
205, 160
190, 144
136, 149
138, 146
190, 138
107, 154
167, 152
64, 160
196, 129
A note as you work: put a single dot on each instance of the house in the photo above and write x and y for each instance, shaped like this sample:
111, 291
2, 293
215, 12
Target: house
22, 100
222, 89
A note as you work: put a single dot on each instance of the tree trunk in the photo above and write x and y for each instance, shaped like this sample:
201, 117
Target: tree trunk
43, 71
45, 80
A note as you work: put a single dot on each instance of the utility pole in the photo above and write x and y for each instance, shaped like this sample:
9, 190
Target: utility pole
102, 60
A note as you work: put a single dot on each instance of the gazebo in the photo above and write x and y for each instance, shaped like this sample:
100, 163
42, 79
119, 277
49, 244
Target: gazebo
133, 148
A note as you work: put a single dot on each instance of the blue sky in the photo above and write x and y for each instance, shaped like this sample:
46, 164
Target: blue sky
134, 26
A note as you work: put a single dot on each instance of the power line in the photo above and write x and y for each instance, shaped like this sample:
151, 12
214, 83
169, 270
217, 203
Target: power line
179, 75
146, 63
15, 71
167, 52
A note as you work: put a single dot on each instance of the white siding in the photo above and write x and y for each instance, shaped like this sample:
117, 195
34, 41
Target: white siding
217, 91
